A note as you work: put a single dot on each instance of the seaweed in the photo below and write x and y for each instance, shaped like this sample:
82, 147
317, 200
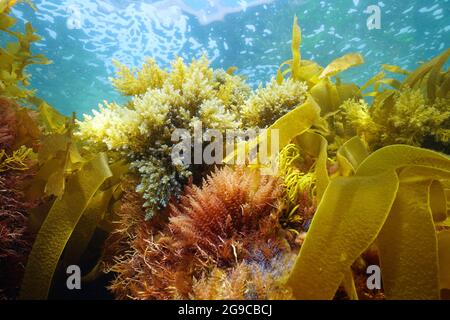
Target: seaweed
357, 182
17, 161
16, 56
79, 198
141, 131
390, 187
231, 219
18, 127
303, 166
76, 188
365, 196
133, 82
328, 95
19, 137
271, 102
15, 235
413, 111
246, 281
57, 197
19, 140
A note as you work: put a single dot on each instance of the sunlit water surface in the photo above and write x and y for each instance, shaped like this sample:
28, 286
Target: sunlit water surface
82, 37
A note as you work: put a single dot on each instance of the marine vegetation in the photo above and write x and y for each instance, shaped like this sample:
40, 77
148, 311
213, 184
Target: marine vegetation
17, 168
365, 199
271, 102
19, 139
16, 56
15, 239
46, 179
75, 188
231, 222
188, 97
413, 112
361, 178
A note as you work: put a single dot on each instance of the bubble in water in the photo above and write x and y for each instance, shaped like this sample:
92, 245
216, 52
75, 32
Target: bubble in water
73, 23
74, 19
73, 10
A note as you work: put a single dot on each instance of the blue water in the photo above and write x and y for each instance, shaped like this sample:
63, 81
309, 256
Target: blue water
82, 37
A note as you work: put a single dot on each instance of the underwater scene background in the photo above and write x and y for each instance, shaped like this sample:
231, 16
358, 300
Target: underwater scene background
83, 37
240, 150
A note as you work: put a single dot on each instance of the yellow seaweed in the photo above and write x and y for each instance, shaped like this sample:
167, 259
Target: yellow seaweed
341, 64
349, 285
358, 210
350, 155
97, 214
444, 259
327, 94
6, 4
15, 161
408, 247
86, 226
16, 56
316, 146
289, 126
296, 56
52, 120
404, 114
395, 69
59, 225
58, 157
131, 82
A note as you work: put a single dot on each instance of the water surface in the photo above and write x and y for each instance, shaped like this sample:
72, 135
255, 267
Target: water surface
83, 37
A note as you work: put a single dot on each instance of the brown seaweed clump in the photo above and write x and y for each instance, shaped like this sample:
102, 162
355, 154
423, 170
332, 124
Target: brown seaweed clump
246, 281
228, 228
7, 124
15, 239
17, 126
18, 134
